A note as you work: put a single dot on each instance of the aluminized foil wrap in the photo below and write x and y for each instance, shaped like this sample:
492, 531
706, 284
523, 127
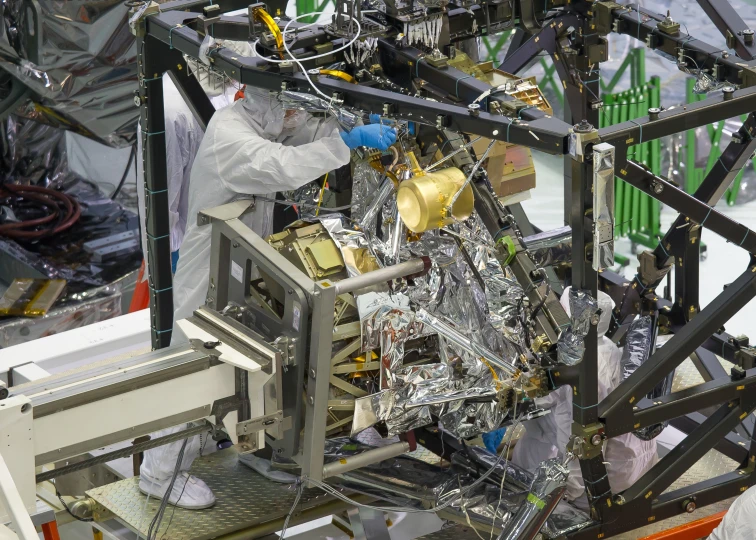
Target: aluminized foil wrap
545, 493
79, 61
550, 247
571, 344
477, 460
639, 345
314, 105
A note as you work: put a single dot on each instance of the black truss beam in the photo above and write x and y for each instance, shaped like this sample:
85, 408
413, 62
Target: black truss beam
694, 399
616, 410
697, 213
731, 445
692, 53
736, 32
691, 116
545, 40
685, 454
155, 58
543, 133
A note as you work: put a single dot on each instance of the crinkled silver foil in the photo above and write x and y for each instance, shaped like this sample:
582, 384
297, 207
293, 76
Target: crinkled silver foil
550, 247
638, 348
477, 460
366, 181
484, 505
571, 344
314, 104
83, 63
367, 222
548, 487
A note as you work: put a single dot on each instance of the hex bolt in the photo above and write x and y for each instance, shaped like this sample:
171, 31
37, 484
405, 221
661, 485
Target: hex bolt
619, 499
473, 109
689, 506
596, 440
748, 36
727, 92
314, 73
658, 187
653, 113
440, 121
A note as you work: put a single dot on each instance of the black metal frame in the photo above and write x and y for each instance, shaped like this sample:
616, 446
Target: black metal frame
696, 332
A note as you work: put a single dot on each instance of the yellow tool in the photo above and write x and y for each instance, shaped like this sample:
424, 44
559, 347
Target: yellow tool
264, 17
340, 74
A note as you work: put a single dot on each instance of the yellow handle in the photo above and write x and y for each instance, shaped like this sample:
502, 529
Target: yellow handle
264, 17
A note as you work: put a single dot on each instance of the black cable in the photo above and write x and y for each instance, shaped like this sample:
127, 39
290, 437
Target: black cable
132, 158
155, 523
60, 498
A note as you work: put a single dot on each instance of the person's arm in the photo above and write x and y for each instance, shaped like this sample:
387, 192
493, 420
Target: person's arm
248, 163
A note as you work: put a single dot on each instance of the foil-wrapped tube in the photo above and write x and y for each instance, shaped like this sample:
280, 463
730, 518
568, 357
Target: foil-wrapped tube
314, 104
371, 213
485, 506
550, 247
571, 344
445, 329
398, 234
639, 344
78, 59
548, 487
476, 460
565, 519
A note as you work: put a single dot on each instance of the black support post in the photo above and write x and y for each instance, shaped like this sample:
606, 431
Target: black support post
151, 54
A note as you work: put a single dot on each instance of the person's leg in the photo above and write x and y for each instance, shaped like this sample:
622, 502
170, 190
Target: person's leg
159, 465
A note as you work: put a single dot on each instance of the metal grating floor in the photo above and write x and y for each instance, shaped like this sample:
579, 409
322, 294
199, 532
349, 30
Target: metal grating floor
244, 499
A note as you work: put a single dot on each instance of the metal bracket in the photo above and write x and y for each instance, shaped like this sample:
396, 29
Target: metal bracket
272, 421
648, 272
137, 16
221, 407
589, 438
225, 212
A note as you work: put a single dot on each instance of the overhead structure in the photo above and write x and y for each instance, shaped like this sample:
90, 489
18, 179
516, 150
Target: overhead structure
436, 298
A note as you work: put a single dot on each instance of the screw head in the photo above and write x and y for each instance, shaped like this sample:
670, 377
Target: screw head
658, 187
137, 100
596, 440
690, 506
312, 372
311, 400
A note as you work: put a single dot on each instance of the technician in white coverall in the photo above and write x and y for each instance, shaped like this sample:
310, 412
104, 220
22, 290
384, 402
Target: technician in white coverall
252, 147
627, 456
739, 522
183, 136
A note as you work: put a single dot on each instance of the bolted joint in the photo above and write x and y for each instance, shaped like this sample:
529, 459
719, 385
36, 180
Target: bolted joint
653, 113
657, 187
748, 36
727, 92
474, 109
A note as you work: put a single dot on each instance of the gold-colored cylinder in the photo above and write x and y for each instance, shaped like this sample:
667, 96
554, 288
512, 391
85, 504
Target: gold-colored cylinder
423, 200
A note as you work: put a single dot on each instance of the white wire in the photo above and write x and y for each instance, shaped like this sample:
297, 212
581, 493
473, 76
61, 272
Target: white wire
295, 59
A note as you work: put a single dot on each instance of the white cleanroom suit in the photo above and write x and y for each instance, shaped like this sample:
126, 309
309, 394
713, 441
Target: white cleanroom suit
252, 147
739, 522
627, 456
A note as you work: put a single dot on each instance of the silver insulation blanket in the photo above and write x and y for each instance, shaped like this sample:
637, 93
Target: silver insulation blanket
79, 58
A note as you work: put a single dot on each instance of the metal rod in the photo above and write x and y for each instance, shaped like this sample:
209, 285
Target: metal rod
366, 458
447, 158
383, 275
122, 453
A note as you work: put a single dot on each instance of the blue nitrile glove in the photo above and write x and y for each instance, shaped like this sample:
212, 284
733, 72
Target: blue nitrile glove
372, 136
376, 119
493, 439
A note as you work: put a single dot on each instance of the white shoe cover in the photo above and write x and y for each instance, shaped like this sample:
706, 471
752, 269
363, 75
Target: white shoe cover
188, 491
264, 467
